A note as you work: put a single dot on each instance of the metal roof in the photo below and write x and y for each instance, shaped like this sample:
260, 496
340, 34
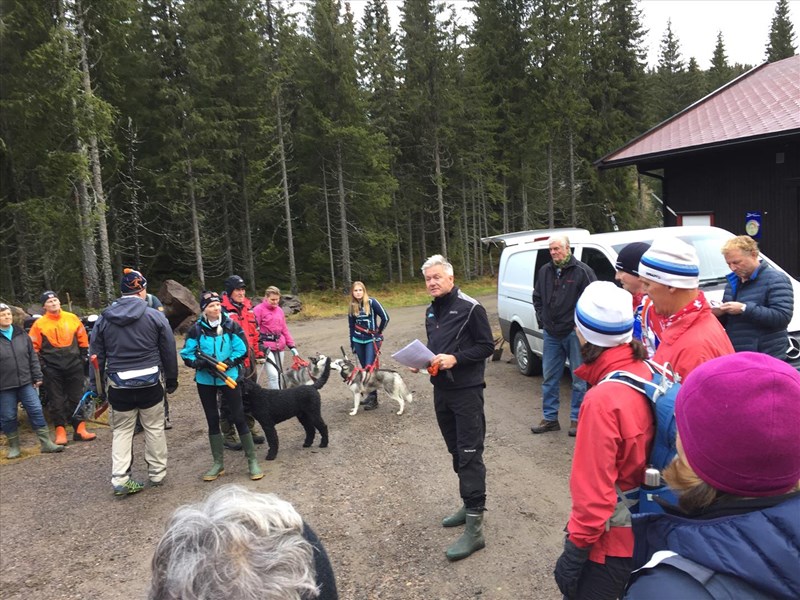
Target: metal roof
761, 104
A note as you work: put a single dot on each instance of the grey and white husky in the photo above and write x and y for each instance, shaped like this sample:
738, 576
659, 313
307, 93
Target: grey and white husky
361, 383
305, 375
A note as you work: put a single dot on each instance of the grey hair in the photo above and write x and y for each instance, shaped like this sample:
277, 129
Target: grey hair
435, 260
560, 238
235, 544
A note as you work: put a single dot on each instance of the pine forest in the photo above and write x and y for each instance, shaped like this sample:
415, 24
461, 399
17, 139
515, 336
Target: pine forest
296, 145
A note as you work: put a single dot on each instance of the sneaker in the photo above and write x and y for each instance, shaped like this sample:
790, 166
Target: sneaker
546, 426
129, 487
573, 429
156, 484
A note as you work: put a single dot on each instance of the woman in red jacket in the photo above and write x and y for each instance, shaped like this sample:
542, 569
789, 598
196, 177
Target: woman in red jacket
615, 432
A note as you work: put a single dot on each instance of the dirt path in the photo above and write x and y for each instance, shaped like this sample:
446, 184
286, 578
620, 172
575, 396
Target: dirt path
375, 496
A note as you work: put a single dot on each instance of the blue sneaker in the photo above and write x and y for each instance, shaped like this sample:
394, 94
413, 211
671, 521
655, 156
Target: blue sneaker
129, 487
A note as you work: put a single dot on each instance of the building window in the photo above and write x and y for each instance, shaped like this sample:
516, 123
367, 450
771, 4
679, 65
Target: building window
696, 219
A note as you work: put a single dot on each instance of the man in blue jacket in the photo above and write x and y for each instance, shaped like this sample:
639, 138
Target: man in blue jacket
133, 344
758, 302
460, 337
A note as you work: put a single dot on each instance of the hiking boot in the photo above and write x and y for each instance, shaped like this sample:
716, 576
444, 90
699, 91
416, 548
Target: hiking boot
156, 484
137, 429
546, 426
371, 401
129, 487
573, 429
167, 423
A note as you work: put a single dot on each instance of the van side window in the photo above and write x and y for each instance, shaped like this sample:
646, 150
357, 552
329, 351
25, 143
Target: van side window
599, 263
542, 258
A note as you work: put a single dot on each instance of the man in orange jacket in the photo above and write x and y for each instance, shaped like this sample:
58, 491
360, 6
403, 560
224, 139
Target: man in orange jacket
60, 340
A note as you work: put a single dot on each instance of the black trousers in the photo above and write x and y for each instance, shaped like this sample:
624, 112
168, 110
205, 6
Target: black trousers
463, 426
604, 582
64, 389
231, 399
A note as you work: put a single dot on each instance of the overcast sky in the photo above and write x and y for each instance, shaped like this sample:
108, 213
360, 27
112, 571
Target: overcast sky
744, 25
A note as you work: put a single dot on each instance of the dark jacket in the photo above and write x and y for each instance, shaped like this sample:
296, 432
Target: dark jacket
769, 298
556, 294
364, 328
19, 364
457, 324
742, 544
129, 335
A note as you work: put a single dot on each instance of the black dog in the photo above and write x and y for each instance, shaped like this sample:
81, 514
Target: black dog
270, 407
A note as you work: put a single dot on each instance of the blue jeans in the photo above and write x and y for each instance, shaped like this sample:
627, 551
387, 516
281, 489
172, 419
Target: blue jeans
30, 402
556, 351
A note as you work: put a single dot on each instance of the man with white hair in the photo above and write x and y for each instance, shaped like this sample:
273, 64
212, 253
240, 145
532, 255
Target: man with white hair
558, 286
690, 333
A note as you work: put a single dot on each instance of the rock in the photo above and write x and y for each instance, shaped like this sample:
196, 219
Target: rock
18, 315
291, 304
180, 305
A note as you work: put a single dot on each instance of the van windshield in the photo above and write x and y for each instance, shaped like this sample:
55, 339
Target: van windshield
713, 267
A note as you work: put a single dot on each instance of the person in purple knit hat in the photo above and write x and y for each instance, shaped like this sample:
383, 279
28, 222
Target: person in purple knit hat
736, 531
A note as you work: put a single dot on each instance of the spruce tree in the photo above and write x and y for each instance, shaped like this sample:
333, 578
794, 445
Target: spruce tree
781, 34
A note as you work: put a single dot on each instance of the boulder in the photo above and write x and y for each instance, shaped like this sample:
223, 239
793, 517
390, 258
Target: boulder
180, 305
18, 315
291, 304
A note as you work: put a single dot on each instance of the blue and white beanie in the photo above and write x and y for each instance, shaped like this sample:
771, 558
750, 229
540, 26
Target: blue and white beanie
672, 262
604, 315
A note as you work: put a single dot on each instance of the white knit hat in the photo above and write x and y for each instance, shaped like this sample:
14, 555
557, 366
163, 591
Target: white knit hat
604, 314
671, 262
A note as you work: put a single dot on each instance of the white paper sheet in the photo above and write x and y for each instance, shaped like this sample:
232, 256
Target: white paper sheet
415, 355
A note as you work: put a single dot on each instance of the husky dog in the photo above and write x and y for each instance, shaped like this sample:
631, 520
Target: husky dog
305, 375
270, 407
363, 382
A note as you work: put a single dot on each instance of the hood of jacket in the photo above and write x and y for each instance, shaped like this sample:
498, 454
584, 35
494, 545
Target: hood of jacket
125, 310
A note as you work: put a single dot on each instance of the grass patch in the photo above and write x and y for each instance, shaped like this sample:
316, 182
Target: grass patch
321, 305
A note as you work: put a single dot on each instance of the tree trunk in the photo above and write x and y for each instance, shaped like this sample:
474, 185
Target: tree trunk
328, 229
94, 160
505, 205
572, 191
397, 247
440, 195
134, 197
551, 220
226, 232
346, 274
465, 219
525, 218
198, 249
410, 246
475, 231
248, 236
286, 204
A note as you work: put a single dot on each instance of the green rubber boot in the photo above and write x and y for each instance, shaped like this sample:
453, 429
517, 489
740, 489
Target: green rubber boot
471, 540
217, 442
457, 518
13, 444
46, 443
229, 433
252, 460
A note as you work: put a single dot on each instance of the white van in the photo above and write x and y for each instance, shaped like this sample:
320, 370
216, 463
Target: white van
525, 252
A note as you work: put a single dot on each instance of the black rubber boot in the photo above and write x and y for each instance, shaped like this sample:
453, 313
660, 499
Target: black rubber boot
371, 401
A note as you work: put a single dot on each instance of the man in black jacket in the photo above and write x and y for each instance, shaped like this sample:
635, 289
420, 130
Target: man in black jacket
134, 344
556, 290
461, 339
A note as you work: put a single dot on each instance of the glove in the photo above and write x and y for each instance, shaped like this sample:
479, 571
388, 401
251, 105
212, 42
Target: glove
192, 364
294, 351
171, 386
230, 363
378, 339
568, 568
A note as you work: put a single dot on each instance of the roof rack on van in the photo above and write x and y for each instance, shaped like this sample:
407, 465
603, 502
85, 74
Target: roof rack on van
533, 235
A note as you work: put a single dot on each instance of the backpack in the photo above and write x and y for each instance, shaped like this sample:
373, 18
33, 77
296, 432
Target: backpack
661, 390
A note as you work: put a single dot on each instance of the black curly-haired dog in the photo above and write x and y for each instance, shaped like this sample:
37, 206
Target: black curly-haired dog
270, 407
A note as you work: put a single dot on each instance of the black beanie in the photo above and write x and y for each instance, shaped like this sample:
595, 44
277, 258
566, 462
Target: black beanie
47, 295
207, 297
234, 282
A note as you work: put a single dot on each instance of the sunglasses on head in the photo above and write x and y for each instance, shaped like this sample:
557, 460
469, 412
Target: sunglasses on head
4, 306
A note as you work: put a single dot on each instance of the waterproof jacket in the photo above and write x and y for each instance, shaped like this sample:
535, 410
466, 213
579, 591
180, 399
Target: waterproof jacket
365, 327
60, 340
19, 364
225, 341
272, 327
689, 342
457, 324
242, 315
769, 298
130, 336
751, 543
614, 440
556, 293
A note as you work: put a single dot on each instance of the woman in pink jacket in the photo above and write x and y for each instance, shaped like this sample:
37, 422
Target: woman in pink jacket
274, 335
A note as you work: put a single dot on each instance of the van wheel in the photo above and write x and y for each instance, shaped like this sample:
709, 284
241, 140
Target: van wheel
527, 362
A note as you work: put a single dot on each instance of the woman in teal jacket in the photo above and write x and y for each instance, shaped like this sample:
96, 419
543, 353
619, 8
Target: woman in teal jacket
218, 340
